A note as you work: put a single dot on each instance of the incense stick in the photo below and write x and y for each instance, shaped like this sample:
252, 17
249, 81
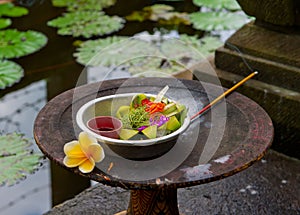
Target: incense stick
224, 94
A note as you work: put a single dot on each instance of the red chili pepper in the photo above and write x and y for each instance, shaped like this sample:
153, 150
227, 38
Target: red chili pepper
146, 102
155, 107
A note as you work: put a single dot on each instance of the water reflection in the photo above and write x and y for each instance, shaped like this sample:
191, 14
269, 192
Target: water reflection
17, 113
19, 108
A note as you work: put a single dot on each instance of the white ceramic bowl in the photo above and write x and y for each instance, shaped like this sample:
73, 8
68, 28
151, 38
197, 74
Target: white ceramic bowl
131, 149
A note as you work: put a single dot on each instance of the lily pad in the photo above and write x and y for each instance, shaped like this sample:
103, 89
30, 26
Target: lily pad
181, 49
11, 10
10, 73
159, 8
161, 13
144, 57
16, 159
89, 49
209, 21
114, 50
218, 4
189, 49
4, 23
14, 43
205, 45
83, 4
86, 24
209, 45
155, 67
179, 55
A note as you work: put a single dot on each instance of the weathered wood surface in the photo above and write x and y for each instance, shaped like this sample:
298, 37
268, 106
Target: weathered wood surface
247, 135
248, 129
153, 202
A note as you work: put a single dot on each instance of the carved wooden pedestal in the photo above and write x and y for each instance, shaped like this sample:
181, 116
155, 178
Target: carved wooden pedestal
247, 135
153, 202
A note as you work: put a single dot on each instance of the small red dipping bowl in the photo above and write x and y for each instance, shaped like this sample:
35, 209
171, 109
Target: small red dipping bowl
107, 126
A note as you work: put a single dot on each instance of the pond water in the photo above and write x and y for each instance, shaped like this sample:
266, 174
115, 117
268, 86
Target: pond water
18, 110
47, 73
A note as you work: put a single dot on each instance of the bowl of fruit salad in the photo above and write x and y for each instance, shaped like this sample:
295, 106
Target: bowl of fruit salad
147, 125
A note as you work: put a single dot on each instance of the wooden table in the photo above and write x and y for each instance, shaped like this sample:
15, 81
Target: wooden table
227, 139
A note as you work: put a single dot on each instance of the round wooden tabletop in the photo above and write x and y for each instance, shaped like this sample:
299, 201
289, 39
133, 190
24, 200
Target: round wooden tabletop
225, 140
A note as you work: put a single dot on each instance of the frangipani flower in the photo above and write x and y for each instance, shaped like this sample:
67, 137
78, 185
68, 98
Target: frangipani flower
83, 153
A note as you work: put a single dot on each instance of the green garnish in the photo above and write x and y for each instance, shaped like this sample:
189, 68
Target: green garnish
135, 118
149, 117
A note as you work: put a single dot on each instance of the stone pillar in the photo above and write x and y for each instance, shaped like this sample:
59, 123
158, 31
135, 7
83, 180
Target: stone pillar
270, 45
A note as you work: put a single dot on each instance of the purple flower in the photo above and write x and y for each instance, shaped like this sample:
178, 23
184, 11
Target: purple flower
142, 128
158, 119
155, 119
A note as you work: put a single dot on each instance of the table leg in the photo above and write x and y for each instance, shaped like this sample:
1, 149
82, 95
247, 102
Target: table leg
153, 202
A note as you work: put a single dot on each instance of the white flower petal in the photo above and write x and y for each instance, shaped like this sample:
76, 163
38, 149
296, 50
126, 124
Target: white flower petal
73, 149
85, 140
96, 152
87, 166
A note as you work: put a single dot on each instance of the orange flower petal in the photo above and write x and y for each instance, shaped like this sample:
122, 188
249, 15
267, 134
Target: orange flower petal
85, 140
87, 166
73, 149
73, 162
96, 152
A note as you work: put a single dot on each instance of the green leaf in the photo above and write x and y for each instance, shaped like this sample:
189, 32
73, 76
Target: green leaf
155, 67
14, 43
83, 4
178, 55
10, 73
143, 57
11, 10
189, 50
209, 45
209, 21
181, 48
161, 13
113, 51
218, 4
4, 23
159, 8
16, 159
89, 49
205, 45
86, 24
170, 56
